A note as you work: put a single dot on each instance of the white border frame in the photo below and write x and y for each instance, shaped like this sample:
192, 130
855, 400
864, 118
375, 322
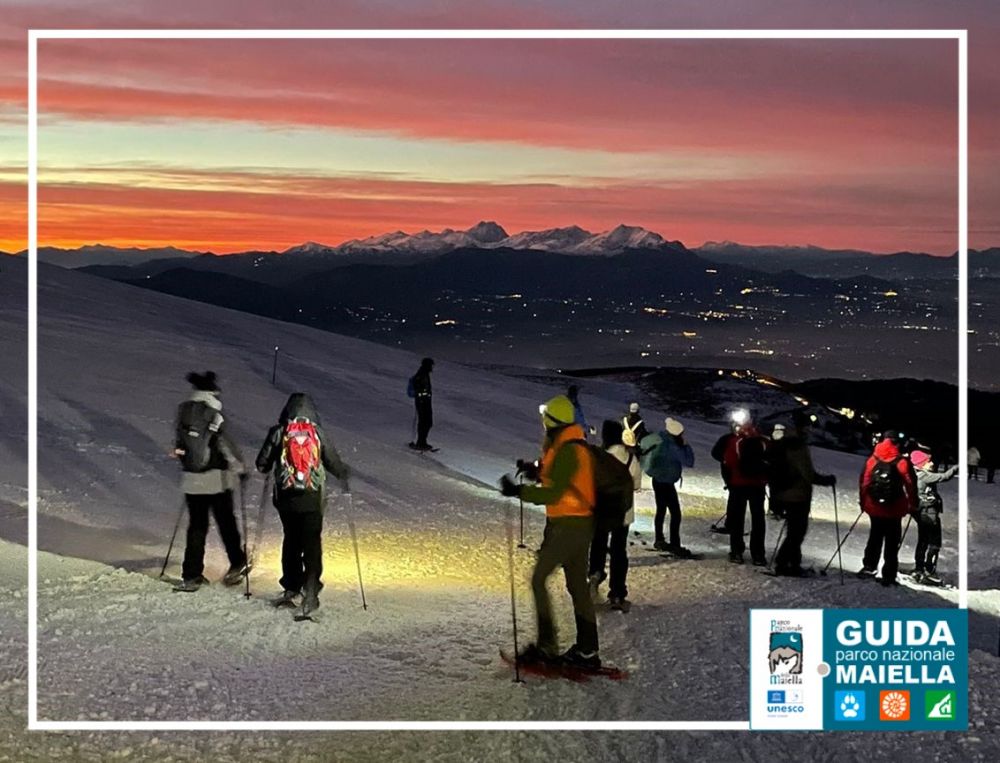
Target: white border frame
34, 35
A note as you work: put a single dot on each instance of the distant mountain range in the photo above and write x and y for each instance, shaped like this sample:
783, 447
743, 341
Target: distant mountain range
400, 247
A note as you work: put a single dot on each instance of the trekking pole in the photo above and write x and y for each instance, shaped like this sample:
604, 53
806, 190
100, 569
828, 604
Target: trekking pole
905, 530
177, 526
520, 500
836, 524
715, 525
259, 537
842, 542
777, 543
243, 512
513, 600
274, 368
357, 556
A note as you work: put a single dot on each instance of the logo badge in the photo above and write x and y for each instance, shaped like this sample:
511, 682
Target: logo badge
849, 705
939, 705
894, 705
776, 697
785, 654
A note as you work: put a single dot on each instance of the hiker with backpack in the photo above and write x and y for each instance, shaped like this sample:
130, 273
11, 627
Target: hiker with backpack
928, 516
614, 529
568, 489
212, 464
791, 477
664, 457
743, 458
419, 389
301, 454
887, 493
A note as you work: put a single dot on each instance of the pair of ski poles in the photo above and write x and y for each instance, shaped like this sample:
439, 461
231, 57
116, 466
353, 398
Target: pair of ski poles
840, 542
251, 556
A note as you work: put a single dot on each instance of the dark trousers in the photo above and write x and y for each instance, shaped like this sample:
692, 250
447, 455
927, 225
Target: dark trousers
618, 547
565, 544
990, 472
736, 512
666, 498
219, 505
425, 419
974, 473
928, 541
301, 550
796, 516
884, 532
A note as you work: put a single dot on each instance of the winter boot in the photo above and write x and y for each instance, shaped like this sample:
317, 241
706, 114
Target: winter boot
866, 574
235, 575
931, 578
759, 561
619, 603
679, 551
310, 602
577, 658
660, 545
532, 653
735, 558
287, 599
193, 584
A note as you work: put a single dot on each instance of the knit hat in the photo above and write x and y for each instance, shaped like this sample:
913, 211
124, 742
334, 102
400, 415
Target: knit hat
779, 432
205, 382
674, 427
919, 457
557, 412
633, 408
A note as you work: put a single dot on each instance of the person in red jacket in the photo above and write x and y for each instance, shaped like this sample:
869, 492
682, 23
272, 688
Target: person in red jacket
887, 492
743, 456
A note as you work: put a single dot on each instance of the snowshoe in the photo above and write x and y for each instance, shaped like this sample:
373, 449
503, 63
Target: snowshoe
791, 572
917, 576
736, 558
931, 579
310, 603
532, 654
720, 529
866, 574
557, 668
235, 575
888, 582
759, 562
287, 600
191, 585
661, 545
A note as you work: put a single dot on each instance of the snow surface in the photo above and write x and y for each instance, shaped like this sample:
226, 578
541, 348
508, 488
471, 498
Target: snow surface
115, 643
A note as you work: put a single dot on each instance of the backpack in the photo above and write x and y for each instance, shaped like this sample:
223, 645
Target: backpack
752, 455
628, 433
659, 461
613, 486
411, 389
885, 484
197, 427
300, 468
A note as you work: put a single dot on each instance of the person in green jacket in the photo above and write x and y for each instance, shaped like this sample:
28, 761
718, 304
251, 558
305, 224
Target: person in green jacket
791, 479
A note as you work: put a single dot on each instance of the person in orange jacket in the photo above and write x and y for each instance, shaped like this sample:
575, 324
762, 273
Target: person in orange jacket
887, 491
567, 489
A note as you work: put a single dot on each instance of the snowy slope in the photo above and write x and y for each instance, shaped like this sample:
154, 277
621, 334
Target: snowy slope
115, 643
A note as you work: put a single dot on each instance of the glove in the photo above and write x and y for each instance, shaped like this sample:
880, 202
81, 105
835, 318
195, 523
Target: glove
508, 487
528, 468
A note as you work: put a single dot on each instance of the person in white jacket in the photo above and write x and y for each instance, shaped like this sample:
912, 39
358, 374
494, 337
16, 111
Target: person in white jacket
614, 539
974, 459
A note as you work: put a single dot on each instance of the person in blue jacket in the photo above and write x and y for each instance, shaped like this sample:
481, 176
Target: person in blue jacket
664, 456
573, 393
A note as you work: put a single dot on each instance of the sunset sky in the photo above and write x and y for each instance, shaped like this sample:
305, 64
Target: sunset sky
265, 144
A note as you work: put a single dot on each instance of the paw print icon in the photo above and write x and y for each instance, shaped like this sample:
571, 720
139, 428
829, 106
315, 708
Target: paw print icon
849, 705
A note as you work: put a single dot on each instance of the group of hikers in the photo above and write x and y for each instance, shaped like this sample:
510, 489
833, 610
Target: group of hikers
588, 492
297, 455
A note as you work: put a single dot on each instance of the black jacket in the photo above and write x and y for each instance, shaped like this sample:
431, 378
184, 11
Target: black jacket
422, 383
791, 474
300, 405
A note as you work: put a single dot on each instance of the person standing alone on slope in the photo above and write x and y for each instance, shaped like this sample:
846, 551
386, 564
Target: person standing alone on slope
569, 493
301, 454
212, 464
420, 391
